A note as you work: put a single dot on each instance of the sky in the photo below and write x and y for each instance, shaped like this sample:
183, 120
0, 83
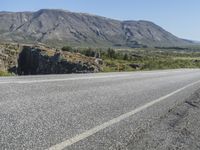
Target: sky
180, 17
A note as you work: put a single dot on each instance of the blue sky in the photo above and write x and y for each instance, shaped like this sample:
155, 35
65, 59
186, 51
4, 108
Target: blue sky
180, 17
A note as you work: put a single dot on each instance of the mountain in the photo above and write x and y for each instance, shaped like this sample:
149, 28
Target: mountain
59, 27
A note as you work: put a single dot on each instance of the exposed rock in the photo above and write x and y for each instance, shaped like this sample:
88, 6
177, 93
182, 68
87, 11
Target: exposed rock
99, 61
135, 66
33, 60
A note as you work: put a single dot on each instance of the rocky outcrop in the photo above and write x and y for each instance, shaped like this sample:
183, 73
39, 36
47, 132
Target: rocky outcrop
34, 60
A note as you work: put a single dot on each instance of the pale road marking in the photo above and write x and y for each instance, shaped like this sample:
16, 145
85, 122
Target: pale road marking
96, 129
83, 78
93, 77
66, 79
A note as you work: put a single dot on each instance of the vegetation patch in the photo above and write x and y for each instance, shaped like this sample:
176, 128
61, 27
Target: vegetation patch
142, 58
3, 73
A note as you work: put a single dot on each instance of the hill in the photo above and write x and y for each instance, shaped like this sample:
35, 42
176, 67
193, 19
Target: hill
59, 27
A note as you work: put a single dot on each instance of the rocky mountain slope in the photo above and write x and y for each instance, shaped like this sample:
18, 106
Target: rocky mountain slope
62, 27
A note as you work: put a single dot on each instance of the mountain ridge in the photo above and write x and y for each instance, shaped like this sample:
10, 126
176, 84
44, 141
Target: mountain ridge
61, 27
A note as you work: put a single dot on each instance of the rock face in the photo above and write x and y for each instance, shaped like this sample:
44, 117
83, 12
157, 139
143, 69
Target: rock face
37, 61
61, 27
33, 60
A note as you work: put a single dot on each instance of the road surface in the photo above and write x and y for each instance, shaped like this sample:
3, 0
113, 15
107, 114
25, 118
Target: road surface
88, 111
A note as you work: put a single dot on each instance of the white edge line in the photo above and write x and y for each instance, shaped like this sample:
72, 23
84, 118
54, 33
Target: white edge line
77, 78
96, 129
66, 79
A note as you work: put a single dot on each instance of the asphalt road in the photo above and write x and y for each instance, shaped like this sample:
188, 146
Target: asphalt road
88, 111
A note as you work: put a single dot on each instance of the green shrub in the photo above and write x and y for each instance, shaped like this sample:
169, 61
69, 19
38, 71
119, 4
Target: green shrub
89, 52
3, 73
125, 56
67, 48
111, 53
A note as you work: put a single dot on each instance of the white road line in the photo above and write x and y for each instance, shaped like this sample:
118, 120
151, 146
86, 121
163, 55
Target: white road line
96, 129
66, 79
19, 81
